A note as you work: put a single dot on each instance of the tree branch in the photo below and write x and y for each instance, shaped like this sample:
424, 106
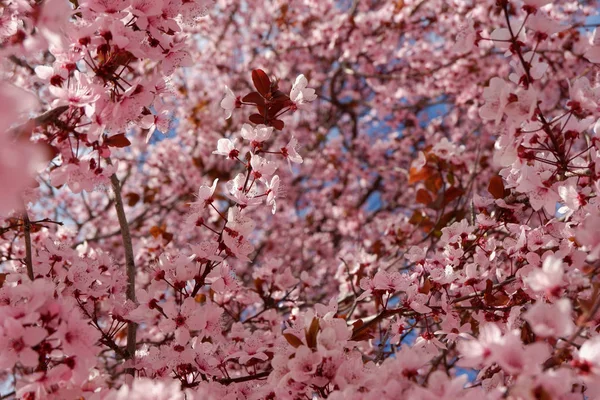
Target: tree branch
28, 255
129, 260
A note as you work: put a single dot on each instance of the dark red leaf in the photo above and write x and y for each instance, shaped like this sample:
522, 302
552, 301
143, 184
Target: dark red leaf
275, 108
359, 333
452, 193
261, 81
262, 110
257, 119
277, 124
423, 196
496, 187
167, 236
254, 98
279, 96
117, 141
132, 199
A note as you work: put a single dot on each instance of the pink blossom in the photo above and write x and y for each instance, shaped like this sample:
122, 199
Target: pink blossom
273, 192
262, 167
496, 99
17, 342
475, 352
205, 196
239, 227
304, 364
593, 53
78, 93
225, 280
587, 235
181, 320
551, 320
583, 95
150, 389
258, 134
229, 102
240, 191
589, 356
549, 279
160, 121
465, 39
290, 152
226, 147
300, 93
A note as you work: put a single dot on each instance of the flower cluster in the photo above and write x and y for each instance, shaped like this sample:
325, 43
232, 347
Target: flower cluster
434, 236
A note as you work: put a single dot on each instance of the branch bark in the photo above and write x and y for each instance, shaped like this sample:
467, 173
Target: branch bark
28, 255
129, 260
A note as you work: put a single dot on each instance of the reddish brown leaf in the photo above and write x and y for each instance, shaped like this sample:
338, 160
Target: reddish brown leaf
279, 96
274, 109
156, 231
261, 81
434, 183
496, 187
417, 218
292, 340
36, 227
423, 196
117, 141
262, 110
452, 193
200, 298
426, 288
498, 299
254, 98
277, 124
258, 285
122, 334
311, 334
2, 279
149, 194
489, 285
257, 119
419, 175
378, 247
167, 236
132, 199
359, 334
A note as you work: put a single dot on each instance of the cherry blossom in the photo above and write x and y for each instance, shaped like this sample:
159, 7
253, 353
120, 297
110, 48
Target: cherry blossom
549, 279
300, 93
229, 102
496, 99
439, 234
551, 319
226, 147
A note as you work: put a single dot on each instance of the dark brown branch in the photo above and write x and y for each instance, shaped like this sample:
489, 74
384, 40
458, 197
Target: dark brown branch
129, 260
240, 379
28, 255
